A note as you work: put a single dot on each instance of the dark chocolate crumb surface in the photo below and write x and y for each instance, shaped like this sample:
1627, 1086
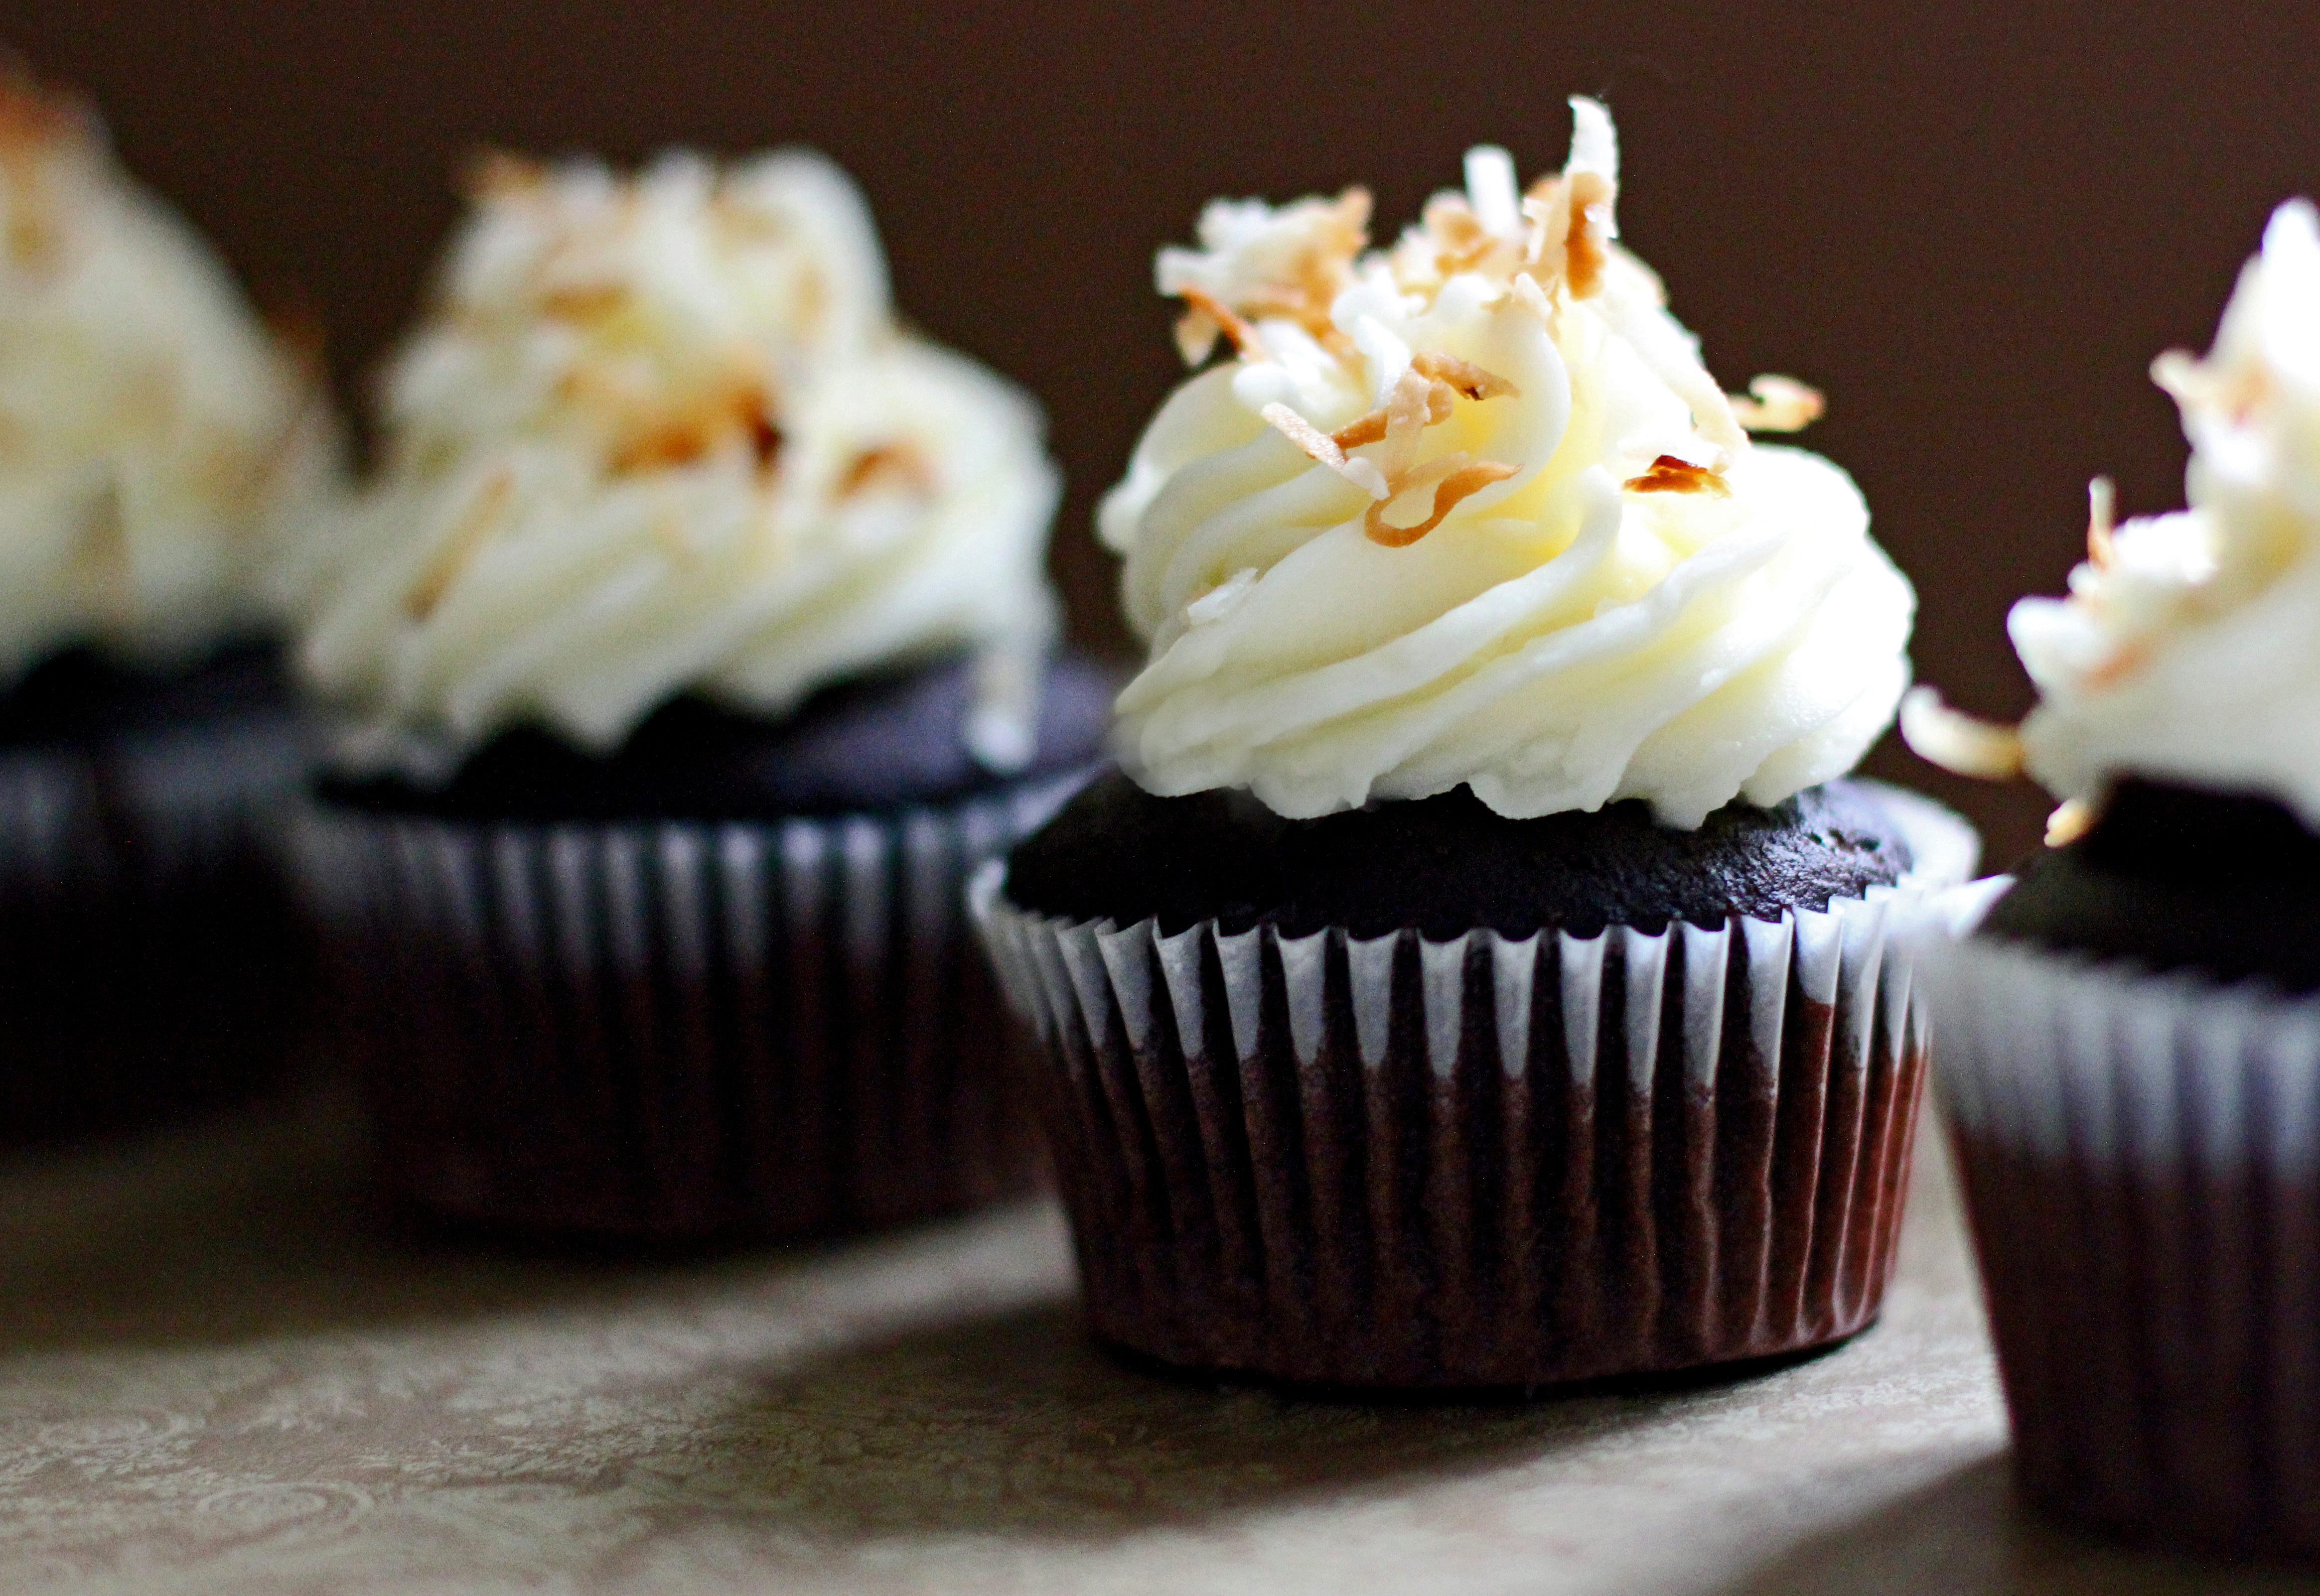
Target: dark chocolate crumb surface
78, 695
874, 743
1445, 864
2177, 877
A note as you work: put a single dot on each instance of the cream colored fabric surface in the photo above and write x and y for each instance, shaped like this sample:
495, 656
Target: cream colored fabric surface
222, 1372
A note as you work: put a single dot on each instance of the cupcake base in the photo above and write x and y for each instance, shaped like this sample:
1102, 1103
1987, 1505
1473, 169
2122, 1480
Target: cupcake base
151, 965
2142, 1162
1397, 1162
680, 1031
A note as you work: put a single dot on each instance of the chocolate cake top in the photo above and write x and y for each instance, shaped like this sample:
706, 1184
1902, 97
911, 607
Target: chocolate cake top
2177, 877
870, 744
1445, 864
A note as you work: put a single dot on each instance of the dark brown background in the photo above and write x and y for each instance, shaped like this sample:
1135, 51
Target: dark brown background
1973, 232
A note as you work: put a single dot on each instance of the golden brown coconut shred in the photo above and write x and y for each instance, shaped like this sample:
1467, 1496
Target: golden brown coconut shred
1671, 474
1466, 479
1584, 256
38, 124
1467, 378
1206, 316
1321, 270
1460, 241
896, 464
1425, 397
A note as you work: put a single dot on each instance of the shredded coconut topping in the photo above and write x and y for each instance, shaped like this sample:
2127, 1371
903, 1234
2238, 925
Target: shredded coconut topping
1383, 550
664, 433
1961, 744
163, 450
1258, 263
1670, 474
1778, 404
2188, 648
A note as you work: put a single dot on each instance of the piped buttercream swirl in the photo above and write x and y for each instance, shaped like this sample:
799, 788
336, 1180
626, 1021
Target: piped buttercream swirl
663, 434
2188, 647
1471, 510
157, 446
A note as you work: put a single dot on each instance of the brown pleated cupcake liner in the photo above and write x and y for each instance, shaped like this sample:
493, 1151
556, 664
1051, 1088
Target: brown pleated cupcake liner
2142, 1162
677, 1030
1395, 1162
149, 963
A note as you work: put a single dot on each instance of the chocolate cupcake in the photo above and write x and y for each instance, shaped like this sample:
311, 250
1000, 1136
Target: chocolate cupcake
690, 647
2131, 1042
163, 448
1478, 975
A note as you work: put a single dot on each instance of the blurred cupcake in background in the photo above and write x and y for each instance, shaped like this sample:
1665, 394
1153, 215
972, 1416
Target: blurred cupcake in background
2131, 1043
689, 646
1479, 972
159, 450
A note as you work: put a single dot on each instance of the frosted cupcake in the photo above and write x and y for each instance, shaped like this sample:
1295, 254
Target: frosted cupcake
690, 645
1478, 973
161, 447
2131, 1044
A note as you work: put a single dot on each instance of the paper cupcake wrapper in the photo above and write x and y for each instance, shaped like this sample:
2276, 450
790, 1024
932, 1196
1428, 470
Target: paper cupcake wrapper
1392, 1161
2141, 1163
677, 1030
148, 958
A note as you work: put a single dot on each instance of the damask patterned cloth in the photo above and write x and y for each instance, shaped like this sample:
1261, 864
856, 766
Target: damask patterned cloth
225, 1371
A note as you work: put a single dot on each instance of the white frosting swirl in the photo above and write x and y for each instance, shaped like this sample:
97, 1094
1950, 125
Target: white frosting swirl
2190, 645
156, 446
1621, 596
663, 434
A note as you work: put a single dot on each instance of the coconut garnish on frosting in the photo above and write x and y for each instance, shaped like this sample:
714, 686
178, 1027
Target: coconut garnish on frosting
663, 434
2188, 646
1470, 510
160, 445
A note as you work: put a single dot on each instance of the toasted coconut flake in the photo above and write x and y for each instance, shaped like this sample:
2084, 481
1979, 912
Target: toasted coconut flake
1322, 271
1671, 474
896, 466
654, 439
40, 128
2102, 506
1409, 410
1328, 450
474, 529
1196, 336
1197, 329
1779, 404
1468, 379
1362, 429
1461, 241
2072, 818
1256, 262
1461, 479
1307, 437
1961, 744
1585, 247
582, 301
1425, 395
1571, 230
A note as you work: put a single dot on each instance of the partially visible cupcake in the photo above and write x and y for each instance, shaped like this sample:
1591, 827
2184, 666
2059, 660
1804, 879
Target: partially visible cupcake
689, 647
1480, 973
158, 450
2131, 1043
